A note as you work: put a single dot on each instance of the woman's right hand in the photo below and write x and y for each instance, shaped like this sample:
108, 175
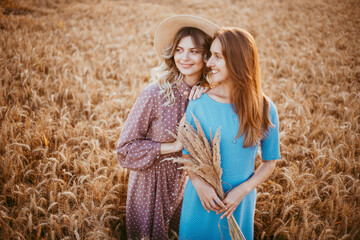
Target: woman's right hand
197, 91
171, 147
207, 194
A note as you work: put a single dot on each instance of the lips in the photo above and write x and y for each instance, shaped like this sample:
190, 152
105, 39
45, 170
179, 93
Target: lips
186, 65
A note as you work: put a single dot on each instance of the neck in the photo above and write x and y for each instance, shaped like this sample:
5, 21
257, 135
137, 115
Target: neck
224, 89
191, 80
220, 93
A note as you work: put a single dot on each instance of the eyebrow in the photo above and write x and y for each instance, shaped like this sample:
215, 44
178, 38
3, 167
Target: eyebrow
190, 48
217, 53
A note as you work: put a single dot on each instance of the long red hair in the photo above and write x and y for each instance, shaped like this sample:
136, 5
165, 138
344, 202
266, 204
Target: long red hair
247, 98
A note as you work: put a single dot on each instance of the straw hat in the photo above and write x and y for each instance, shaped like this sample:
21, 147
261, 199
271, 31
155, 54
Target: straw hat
168, 28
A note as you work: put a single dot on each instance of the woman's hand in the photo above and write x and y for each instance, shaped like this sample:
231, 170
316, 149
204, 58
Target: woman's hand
171, 147
233, 199
178, 145
207, 195
197, 91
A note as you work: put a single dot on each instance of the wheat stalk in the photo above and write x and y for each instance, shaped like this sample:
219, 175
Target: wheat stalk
205, 161
68, 92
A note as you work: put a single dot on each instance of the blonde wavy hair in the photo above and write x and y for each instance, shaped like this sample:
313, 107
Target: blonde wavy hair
166, 75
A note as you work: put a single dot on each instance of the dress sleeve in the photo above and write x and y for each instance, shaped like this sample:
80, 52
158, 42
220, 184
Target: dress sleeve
270, 145
134, 150
190, 109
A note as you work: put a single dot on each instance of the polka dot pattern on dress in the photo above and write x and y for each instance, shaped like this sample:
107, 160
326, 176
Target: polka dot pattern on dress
155, 187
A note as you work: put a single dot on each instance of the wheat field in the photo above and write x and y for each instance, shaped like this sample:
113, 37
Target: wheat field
70, 72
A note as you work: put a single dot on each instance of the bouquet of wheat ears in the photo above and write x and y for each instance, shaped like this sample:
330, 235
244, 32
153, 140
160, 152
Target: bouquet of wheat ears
205, 162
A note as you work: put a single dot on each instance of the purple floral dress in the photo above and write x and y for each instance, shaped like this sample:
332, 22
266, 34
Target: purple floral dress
155, 187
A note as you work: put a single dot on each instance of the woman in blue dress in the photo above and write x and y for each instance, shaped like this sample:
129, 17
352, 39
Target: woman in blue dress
248, 119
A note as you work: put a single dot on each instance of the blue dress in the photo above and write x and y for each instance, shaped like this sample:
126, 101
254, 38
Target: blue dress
238, 165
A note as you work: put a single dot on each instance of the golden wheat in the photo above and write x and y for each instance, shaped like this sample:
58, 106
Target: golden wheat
70, 72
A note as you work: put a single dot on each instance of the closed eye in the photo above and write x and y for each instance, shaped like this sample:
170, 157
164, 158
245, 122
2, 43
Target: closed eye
217, 56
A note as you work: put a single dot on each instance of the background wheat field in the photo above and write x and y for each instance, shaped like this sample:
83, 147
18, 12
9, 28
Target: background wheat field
70, 72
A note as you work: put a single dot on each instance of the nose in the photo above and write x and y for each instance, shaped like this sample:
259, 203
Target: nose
186, 55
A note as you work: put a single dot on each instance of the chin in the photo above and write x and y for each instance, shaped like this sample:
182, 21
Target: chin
216, 81
189, 72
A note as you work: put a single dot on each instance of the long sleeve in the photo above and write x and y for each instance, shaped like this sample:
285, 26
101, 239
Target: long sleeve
134, 150
155, 187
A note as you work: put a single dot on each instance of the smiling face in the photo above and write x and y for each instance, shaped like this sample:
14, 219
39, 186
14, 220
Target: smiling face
219, 72
188, 59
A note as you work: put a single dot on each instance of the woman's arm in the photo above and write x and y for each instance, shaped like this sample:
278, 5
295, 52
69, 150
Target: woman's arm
207, 194
234, 197
134, 150
171, 147
195, 93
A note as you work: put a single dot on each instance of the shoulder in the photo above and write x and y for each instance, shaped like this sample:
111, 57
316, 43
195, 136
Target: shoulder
148, 96
272, 106
273, 113
150, 93
199, 101
152, 90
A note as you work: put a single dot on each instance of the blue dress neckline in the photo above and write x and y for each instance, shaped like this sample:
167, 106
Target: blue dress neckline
215, 100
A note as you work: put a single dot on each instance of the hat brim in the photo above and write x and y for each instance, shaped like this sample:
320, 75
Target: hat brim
168, 28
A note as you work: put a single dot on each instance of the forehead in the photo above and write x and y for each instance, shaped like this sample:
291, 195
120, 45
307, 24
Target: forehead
216, 46
186, 42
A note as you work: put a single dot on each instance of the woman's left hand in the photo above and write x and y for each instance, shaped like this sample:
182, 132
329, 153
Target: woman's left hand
197, 91
235, 196
233, 199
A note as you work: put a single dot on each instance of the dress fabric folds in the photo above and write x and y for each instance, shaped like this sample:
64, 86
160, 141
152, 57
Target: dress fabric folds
155, 187
237, 163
